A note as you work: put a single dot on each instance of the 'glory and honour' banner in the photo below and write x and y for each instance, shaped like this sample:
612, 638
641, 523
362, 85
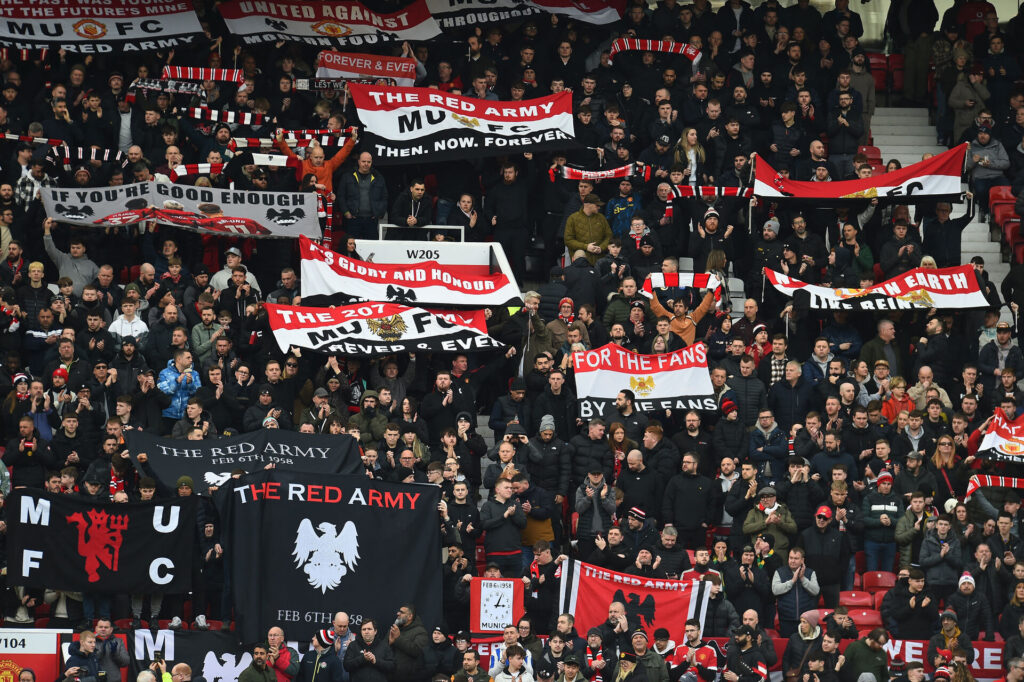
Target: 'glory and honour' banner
430, 125
326, 273
203, 209
664, 381
378, 328
918, 288
66, 542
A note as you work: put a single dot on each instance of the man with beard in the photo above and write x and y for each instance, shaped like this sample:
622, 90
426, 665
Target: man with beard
641, 485
259, 670
744, 662
694, 658
693, 438
635, 422
690, 502
14, 268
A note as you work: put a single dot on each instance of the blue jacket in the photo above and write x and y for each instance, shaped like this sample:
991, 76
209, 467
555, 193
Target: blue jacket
790, 404
89, 663
620, 211
843, 333
179, 392
775, 446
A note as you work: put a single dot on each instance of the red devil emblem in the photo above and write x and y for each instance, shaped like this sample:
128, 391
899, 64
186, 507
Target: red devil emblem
99, 540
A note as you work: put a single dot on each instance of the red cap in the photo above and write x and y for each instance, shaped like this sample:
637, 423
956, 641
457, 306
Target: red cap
824, 510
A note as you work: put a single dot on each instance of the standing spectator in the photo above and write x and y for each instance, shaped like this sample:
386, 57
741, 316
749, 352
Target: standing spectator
941, 558
796, 588
882, 509
362, 199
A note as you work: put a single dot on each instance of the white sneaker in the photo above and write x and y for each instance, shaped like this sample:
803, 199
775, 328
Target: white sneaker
201, 623
175, 623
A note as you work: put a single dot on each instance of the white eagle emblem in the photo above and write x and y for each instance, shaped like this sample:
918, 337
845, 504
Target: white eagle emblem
215, 478
327, 556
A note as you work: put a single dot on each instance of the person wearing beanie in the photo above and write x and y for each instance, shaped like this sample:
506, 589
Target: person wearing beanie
644, 657
976, 610
948, 639
320, 663
511, 408
882, 511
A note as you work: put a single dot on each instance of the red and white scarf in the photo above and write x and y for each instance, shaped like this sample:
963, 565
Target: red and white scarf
987, 481
305, 133
198, 73
34, 140
593, 658
626, 44
221, 116
65, 155
268, 142
187, 169
627, 171
679, 280
23, 55
703, 191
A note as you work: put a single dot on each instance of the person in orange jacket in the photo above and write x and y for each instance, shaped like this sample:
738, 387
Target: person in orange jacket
682, 323
315, 164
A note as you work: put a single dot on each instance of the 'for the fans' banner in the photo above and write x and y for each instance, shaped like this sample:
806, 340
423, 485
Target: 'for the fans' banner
378, 328
326, 273
1004, 438
918, 288
587, 590
350, 540
326, 23
430, 125
929, 180
210, 462
66, 542
203, 209
664, 381
107, 27
352, 66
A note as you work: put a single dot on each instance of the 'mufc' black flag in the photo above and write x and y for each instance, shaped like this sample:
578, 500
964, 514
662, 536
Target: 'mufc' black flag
210, 462
305, 543
67, 543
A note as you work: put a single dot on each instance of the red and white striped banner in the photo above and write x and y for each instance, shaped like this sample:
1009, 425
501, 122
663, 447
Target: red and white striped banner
628, 44
680, 280
630, 170
221, 116
198, 73
34, 140
987, 481
65, 155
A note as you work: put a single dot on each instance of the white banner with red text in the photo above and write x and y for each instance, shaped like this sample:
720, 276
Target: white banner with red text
429, 125
947, 288
663, 381
352, 66
1004, 439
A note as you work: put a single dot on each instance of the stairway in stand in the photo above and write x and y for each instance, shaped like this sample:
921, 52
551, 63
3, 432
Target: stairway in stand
905, 135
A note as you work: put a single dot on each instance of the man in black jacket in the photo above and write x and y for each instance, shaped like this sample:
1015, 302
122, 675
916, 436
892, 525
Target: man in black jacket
502, 518
689, 503
827, 552
438, 407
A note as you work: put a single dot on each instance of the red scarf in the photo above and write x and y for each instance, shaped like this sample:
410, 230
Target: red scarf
591, 659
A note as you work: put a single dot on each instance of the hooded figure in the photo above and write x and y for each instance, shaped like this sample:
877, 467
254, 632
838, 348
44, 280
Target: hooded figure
370, 420
841, 273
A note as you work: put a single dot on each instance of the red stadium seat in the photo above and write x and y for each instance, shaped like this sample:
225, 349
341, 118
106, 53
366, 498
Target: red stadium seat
873, 153
42, 622
875, 581
879, 70
897, 80
1018, 252
866, 618
895, 61
1011, 232
854, 599
1002, 213
857, 581
1000, 194
879, 596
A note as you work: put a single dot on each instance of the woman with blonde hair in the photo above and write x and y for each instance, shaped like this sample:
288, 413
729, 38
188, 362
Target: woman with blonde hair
950, 472
691, 155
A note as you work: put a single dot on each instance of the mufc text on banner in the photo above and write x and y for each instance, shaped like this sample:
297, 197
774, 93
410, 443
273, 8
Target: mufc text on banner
918, 288
326, 273
335, 540
1004, 439
587, 590
370, 329
95, 28
430, 125
67, 542
232, 212
352, 66
929, 180
326, 24
210, 462
664, 381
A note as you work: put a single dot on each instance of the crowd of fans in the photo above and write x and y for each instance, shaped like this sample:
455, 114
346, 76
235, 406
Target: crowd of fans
835, 435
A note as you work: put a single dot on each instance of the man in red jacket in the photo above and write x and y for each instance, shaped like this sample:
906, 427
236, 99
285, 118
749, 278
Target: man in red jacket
282, 659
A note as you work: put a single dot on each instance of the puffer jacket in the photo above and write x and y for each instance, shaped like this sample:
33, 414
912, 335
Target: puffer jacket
664, 458
586, 452
802, 500
938, 569
769, 447
720, 618
586, 528
550, 467
89, 663
412, 641
179, 392
751, 397
730, 439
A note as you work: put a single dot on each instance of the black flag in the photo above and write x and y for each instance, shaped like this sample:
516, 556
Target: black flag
63, 542
304, 543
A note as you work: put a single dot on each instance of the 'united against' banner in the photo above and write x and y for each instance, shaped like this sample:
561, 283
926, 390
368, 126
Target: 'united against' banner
335, 540
664, 381
94, 28
378, 328
65, 542
203, 209
947, 288
210, 462
326, 273
430, 125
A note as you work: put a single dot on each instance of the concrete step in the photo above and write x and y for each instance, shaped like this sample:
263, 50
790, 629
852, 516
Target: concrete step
884, 142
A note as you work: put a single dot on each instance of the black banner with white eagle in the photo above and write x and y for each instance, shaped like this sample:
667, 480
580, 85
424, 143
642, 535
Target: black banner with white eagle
210, 462
334, 540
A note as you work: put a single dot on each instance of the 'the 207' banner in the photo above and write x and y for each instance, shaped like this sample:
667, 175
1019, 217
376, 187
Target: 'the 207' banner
664, 381
326, 23
918, 288
203, 209
93, 28
335, 540
66, 542
430, 125
376, 328
326, 273
351, 66
587, 590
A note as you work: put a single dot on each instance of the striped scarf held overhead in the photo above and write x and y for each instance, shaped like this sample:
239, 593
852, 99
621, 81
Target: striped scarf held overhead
295, 143
703, 192
23, 55
187, 169
171, 87
629, 170
628, 44
65, 155
221, 116
987, 481
34, 140
679, 280
306, 133
197, 73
